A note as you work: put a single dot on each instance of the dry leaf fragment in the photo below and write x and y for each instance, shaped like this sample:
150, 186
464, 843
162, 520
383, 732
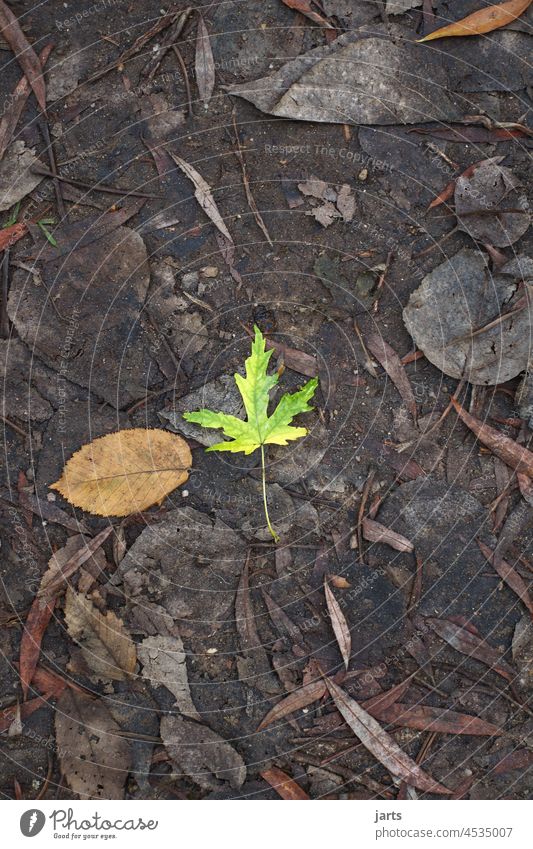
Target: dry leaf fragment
283, 784
380, 744
468, 643
440, 720
390, 361
26, 55
17, 102
508, 574
200, 753
516, 456
204, 64
484, 20
376, 532
32, 635
164, 664
107, 648
203, 195
449, 189
67, 560
94, 758
304, 7
339, 623
125, 472
346, 203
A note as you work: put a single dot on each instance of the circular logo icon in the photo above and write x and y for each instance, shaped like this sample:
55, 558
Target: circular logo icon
32, 822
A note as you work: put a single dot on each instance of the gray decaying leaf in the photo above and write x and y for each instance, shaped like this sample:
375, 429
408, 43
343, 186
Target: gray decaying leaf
357, 79
188, 564
339, 623
164, 664
392, 364
398, 7
254, 666
490, 188
107, 648
381, 744
457, 318
198, 752
203, 195
16, 177
218, 394
94, 758
204, 64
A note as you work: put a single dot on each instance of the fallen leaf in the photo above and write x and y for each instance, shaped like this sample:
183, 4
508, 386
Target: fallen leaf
16, 176
32, 635
66, 562
94, 758
390, 361
10, 235
203, 195
346, 203
125, 472
339, 623
466, 135
283, 784
14, 713
516, 456
107, 648
325, 214
296, 360
479, 199
449, 189
339, 581
254, 665
164, 664
519, 759
304, 7
299, 699
307, 88
471, 323
376, 532
436, 720
508, 574
380, 744
18, 99
201, 754
484, 20
204, 64
24, 52
522, 649
467, 643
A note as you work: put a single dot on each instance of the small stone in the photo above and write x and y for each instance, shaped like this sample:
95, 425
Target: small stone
362, 176
189, 280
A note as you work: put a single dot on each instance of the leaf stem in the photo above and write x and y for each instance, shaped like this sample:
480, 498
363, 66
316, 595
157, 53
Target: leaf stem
270, 528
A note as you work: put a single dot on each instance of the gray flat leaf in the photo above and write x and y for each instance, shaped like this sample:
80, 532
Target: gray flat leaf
164, 664
446, 313
478, 200
16, 178
200, 753
218, 394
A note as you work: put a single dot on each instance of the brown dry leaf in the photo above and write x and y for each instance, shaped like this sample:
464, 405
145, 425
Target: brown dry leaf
376, 532
468, 643
508, 574
297, 700
204, 64
200, 753
26, 55
390, 361
32, 635
294, 359
283, 784
380, 744
14, 713
107, 648
346, 203
254, 665
434, 719
522, 649
325, 214
125, 472
516, 456
449, 190
94, 758
339, 582
339, 623
10, 235
67, 561
484, 20
164, 664
304, 7
203, 195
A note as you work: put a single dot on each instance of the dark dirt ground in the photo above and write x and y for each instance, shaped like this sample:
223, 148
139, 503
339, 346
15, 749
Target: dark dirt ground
113, 333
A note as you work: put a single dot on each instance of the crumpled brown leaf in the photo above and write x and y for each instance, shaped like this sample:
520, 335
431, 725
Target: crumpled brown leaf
200, 753
480, 196
94, 758
107, 648
164, 664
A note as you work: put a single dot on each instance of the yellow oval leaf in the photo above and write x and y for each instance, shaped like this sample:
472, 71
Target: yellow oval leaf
125, 472
482, 21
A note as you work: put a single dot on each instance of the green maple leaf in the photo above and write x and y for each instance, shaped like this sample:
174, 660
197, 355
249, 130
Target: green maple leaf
259, 429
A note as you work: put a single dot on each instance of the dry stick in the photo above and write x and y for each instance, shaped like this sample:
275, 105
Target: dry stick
381, 282
246, 182
40, 169
360, 513
53, 168
183, 68
369, 366
437, 244
13, 426
171, 36
4, 323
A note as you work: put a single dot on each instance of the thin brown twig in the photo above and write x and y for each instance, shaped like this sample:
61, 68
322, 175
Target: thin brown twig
4, 321
361, 512
185, 75
45, 172
53, 168
246, 182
